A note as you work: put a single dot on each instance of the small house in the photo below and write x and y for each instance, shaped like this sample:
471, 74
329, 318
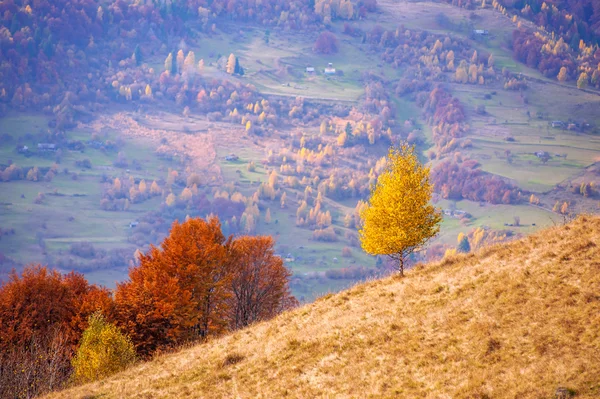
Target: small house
481, 32
310, 70
558, 124
330, 70
232, 157
95, 144
133, 224
542, 154
46, 147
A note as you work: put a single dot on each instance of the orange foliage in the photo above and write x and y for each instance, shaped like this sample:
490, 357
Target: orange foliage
41, 300
199, 283
196, 284
260, 282
179, 291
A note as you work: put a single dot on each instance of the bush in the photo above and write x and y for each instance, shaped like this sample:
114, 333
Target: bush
326, 235
346, 252
103, 351
83, 249
84, 163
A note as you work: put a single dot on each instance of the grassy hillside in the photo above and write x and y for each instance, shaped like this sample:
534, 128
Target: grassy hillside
517, 320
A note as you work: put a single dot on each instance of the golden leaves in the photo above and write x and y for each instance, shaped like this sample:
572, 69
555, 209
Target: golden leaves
399, 218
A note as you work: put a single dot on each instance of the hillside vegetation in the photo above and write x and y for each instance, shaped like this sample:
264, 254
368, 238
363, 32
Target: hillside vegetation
518, 320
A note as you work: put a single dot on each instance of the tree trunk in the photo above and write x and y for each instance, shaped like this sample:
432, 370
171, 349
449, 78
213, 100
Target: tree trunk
401, 266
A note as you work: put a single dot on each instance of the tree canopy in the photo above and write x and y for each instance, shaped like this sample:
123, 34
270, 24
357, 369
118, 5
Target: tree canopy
399, 218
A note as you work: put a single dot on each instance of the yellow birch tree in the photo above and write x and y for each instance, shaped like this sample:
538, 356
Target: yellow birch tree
399, 218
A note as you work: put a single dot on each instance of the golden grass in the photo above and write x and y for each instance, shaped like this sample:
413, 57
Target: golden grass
512, 321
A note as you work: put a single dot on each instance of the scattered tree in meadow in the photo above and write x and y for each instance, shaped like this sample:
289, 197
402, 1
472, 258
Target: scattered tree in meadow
142, 187
171, 199
137, 55
231, 62
326, 43
180, 60
33, 174
238, 70
556, 207
562, 74
463, 244
399, 219
154, 188
282, 200
534, 199
583, 81
103, 351
169, 63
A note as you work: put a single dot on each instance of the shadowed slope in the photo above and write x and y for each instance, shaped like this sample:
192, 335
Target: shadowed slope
516, 320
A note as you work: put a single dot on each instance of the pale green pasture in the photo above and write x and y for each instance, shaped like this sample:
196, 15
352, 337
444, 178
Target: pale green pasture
494, 217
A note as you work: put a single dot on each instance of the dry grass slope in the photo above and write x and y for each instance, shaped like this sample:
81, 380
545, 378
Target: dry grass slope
512, 321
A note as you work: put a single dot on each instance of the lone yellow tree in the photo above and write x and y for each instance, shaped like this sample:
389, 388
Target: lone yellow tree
399, 218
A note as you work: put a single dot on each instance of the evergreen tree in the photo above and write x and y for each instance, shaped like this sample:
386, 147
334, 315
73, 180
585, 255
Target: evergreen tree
238, 70
137, 55
463, 245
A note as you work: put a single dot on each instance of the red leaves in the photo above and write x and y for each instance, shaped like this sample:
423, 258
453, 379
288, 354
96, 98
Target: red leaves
40, 300
199, 283
326, 43
259, 284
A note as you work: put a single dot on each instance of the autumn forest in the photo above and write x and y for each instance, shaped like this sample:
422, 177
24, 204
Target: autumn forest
175, 170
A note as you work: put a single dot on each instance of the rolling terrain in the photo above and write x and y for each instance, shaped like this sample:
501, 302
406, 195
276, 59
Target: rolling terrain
512, 320
505, 128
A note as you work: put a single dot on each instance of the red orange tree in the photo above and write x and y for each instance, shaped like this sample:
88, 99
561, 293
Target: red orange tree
179, 291
41, 300
259, 285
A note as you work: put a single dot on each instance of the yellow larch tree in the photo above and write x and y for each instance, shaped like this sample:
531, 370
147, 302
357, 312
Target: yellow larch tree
399, 218
231, 64
142, 187
180, 59
169, 63
155, 189
562, 74
582, 82
170, 201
